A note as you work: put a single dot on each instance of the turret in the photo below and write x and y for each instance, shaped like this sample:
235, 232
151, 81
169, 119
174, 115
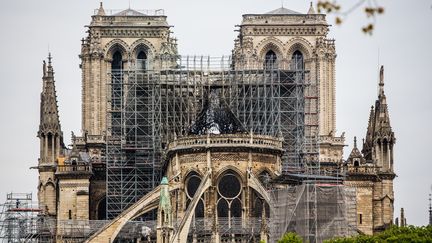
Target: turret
378, 146
165, 228
50, 134
51, 141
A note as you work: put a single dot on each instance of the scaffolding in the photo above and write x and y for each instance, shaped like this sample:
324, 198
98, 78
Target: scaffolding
315, 210
20, 220
149, 105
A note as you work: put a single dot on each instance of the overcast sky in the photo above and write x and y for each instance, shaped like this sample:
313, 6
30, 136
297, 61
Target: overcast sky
403, 37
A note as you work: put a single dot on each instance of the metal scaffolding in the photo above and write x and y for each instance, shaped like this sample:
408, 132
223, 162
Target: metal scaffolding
20, 220
150, 106
316, 210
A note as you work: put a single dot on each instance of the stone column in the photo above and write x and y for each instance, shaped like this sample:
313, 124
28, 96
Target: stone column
46, 149
53, 149
388, 157
41, 152
57, 146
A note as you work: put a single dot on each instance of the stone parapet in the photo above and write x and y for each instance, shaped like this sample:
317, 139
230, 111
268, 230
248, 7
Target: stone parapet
227, 141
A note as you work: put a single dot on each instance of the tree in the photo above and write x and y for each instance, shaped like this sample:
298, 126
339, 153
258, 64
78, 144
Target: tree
394, 234
371, 8
290, 237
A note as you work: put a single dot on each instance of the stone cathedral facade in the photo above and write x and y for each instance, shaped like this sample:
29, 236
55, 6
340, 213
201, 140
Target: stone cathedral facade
72, 181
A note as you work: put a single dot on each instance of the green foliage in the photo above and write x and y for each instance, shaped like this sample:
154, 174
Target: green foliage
392, 235
371, 10
290, 237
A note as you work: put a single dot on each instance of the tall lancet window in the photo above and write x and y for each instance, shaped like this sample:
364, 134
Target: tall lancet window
116, 90
117, 63
297, 61
270, 60
141, 60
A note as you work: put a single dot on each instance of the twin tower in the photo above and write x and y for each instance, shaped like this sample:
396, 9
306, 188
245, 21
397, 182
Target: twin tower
119, 156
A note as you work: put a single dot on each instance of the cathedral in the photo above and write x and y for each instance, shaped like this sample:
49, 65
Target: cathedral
209, 150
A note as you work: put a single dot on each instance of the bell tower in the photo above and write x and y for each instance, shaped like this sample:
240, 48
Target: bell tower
118, 41
51, 141
289, 40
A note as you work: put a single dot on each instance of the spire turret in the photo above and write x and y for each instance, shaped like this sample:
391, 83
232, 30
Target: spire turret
49, 128
381, 82
355, 154
378, 145
311, 9
367, 142
101, 10
382, 121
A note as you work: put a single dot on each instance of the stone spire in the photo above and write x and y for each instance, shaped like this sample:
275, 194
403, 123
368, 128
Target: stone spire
101, 10
430, 210
382, 121
51, 142
49, 127
378, 146
403, 222
311, 9
356, 155
367, 143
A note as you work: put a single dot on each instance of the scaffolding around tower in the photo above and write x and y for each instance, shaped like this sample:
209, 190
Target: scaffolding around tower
153, 101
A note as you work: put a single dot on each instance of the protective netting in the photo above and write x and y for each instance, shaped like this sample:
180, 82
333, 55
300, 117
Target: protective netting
315, 211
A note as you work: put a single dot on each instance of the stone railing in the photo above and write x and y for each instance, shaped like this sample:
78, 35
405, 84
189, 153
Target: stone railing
361, 170
73, 168
331, 139
95, 139
227, 140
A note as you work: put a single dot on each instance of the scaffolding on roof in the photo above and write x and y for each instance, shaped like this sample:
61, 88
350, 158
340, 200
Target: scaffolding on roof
151, 103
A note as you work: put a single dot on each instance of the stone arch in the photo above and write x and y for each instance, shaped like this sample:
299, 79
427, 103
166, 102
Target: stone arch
300, 44
228, 168
101, 202
41, 186
116, 45
263, 170
142, 44
270, 43
257, 203
188, 171
186, 178
50, 183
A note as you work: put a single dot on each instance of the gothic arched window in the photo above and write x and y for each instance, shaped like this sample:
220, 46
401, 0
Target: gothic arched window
141, 60
270, 60
193, 182
117, 63
101, 209
116, 89
297, 61
229, 204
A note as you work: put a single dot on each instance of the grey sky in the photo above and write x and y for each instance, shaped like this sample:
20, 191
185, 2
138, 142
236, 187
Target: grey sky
403, 36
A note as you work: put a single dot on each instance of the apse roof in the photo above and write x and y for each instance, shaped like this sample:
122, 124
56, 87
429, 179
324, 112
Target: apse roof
283, 11
216, 117
129, 12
